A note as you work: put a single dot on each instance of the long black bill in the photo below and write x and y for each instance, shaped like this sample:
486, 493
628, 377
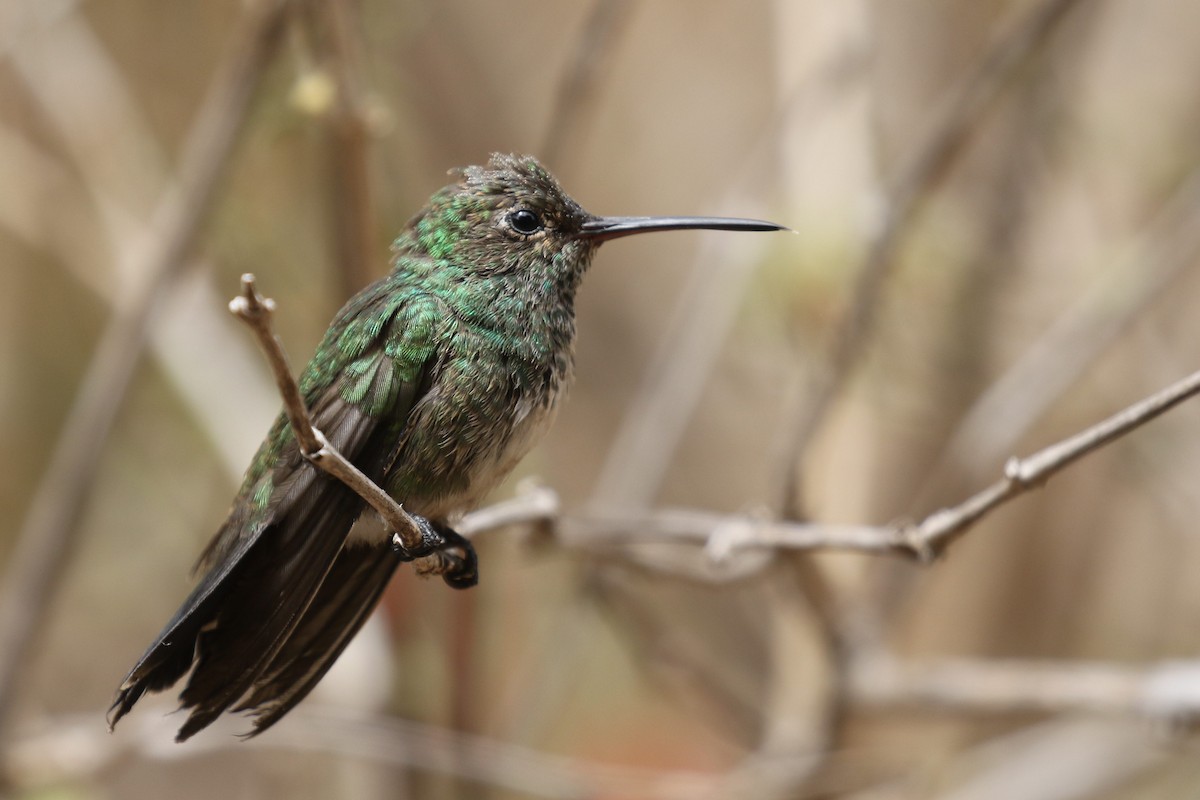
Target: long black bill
604, 228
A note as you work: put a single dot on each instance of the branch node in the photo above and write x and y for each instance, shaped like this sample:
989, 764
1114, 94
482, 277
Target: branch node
322, 449
250, 305
913, 540
1014, 469
728, 536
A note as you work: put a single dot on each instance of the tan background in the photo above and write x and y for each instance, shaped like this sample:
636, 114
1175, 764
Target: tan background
1064, 204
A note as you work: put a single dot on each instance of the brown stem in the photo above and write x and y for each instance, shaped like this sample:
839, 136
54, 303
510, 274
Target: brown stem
914, 184
50, 527
256, 311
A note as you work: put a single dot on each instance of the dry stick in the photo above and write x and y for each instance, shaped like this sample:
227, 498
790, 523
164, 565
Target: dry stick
256, 311
576, 93
941, 528
1165, 691
1162, 251
532, 504
362, 738
914, 184
348, 139
47, 535
655, 418
72, 75
1061, 758
975, 96
724, 535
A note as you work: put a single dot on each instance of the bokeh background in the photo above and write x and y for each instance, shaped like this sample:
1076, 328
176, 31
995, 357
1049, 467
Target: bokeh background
997, 216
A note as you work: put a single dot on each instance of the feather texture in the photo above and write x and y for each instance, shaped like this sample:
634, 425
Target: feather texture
434, 381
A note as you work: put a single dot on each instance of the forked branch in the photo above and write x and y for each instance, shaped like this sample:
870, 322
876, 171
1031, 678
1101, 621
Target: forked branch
721, 535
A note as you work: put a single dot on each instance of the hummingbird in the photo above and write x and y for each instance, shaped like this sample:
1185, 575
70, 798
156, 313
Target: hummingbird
434, 381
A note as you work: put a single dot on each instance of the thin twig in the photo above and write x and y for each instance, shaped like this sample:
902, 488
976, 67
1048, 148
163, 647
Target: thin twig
724, 535
941, 528
1161, 253
580, 79
314, 729
256, 311
655, 419
967, 106
1067, 757
336, 33
45, 539
532, 504
1166, 692
107, 179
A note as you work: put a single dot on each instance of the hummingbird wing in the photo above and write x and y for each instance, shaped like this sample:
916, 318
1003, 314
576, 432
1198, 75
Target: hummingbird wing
343, 604
289, 523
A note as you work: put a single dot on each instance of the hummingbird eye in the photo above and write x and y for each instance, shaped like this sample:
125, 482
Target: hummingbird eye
525, 222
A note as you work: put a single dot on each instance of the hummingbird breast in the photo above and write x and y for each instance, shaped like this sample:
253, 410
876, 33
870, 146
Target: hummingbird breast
491, 396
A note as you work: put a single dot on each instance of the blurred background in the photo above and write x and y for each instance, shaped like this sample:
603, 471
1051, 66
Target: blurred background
997, 207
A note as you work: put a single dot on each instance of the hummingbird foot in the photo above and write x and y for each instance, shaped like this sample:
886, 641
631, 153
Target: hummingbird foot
431, 541
444, 552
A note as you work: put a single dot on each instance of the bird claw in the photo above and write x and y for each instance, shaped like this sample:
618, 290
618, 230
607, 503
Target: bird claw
431, 541
461, 567
452, 556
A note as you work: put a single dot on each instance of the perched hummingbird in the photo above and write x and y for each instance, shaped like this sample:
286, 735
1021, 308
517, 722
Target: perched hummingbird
434, 381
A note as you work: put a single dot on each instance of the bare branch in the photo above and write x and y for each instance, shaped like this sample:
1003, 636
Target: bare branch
384, 740
255, 311
45, 539
1166, 692
939, 529
723, 536
657, 416
576, 93
1154, 261
914, 184
532, 504
336, 33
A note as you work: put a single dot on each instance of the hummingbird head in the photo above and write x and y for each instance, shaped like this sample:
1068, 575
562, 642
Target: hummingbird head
507, 218
512, 218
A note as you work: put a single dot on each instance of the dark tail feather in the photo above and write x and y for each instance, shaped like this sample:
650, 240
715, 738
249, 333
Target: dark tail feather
267, 600
251, 629
344, 602
171, 654
244, 609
